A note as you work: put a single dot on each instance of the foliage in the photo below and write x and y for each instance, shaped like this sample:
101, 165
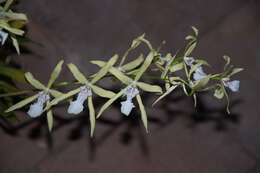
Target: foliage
11, 31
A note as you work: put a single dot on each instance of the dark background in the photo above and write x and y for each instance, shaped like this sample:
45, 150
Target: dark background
181, 139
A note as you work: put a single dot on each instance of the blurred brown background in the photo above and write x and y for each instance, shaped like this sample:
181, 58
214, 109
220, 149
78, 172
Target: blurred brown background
181, 139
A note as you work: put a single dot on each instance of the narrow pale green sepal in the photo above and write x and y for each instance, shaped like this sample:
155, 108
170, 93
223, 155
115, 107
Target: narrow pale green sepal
22, 103
165, 94
102, 92
92, 117
77, 74
55, 74
109, 102
149, 88
143, 112
34, 82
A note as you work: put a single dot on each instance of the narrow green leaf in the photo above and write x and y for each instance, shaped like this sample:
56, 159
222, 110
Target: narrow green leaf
165, 94
55, 73
77, 74
92, 117
149, 88
145, 65
34, 82
102, 92
110, 101
13, 73
103, 71
143, 112
22, 103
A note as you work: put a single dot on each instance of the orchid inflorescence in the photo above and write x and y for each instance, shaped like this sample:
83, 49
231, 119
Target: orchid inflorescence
178, 70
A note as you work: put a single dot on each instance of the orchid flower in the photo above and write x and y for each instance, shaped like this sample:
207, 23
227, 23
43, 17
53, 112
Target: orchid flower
132, 88
42, 97
85, 91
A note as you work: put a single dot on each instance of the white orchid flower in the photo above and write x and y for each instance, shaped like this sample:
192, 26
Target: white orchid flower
189, 61
76, 106
232, 85
199, 74
127, 106
3, 37
36, 109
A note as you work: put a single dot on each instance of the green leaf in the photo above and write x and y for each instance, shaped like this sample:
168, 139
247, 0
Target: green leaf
145, 65
50, 120
92, 117
22, 103
133, 64
102, 92
103, 71
165, 94
13, 73
55, 73
110, 101
143, 112
77, 74
149, 88
34, 82
16, 45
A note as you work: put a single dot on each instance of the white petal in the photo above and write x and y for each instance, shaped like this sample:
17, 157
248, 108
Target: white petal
189, 60
3, 37
35, 110
199, 74
75, 107
233, 85
126, 107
